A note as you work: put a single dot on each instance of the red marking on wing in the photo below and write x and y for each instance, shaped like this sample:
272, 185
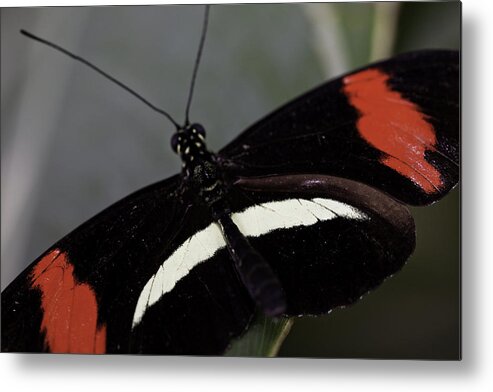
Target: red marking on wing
395, 126
70, 309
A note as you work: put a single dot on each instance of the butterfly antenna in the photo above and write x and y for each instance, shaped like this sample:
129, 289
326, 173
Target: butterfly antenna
197, 61
101, 72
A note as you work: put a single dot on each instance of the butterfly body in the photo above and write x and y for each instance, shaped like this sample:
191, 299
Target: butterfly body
202, 177
301, 213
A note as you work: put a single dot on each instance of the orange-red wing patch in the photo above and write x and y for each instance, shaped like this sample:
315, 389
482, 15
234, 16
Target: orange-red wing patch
395, 126
70, 309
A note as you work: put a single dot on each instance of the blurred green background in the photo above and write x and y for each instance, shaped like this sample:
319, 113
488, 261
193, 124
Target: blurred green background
72, 143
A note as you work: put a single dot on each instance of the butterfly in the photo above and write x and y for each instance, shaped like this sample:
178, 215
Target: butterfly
301, 213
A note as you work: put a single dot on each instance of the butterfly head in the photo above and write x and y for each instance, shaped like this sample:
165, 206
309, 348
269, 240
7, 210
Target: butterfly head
189, 144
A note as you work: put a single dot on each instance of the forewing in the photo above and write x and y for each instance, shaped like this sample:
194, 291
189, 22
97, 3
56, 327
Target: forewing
81, 295
393, 125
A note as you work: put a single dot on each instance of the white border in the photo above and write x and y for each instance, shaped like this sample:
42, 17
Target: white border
59, 3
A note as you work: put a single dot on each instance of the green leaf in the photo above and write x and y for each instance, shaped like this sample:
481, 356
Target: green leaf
263, 338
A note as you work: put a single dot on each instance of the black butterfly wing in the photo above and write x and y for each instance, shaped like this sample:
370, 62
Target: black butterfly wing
329, 240
393, 125
81, 295
201, 315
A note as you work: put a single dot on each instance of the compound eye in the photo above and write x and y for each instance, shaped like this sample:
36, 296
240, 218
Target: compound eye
175, 142
199, 129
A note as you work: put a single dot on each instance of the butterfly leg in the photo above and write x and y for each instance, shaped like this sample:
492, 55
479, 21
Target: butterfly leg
256, 274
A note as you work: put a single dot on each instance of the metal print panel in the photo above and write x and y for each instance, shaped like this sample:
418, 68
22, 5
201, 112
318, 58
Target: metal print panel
304, 195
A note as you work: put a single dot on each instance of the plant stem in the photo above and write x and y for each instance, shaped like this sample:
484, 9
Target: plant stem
384, 29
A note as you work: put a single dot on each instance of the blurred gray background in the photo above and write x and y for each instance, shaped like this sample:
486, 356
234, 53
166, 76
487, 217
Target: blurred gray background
72, 143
